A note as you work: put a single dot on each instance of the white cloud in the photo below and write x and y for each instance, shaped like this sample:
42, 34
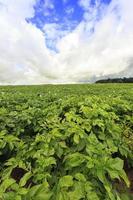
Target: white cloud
48, 4
25, 58
53, 33
105, 52
69, 10
17, 10
47, 7
85, 4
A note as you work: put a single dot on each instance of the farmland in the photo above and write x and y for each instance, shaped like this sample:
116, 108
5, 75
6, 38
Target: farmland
66, 142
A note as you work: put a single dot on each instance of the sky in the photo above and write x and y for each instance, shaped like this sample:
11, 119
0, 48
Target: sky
65, 41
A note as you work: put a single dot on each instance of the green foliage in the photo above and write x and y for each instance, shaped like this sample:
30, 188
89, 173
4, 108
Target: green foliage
65, 142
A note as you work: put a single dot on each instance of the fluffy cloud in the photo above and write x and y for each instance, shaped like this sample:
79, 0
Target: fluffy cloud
69, 10
53, 32
47, 7
101, 45
24, 57
105, 52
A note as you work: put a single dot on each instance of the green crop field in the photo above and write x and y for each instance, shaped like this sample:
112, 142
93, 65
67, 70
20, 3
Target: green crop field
66, 142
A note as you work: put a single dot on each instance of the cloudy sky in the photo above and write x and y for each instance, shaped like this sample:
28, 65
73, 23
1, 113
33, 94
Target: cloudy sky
65, 41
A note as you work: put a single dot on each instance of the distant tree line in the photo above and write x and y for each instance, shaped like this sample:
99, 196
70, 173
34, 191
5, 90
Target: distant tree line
116, 80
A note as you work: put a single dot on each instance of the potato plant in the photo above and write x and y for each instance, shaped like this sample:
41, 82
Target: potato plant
66, 142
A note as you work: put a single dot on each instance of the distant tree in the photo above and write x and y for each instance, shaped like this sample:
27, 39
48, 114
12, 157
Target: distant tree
116, 80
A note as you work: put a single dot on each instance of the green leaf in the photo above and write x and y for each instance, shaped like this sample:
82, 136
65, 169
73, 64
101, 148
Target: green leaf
18, 197
124, 177
25, 178
66, 181
78, 191
74, 160
22, 191
92, 196
116, 163
6, 184
43, 196
62, 195
76, 138
39, 192
80, 177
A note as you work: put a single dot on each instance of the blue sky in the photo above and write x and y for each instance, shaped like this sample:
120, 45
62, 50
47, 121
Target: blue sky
66, 13
59, 11
65, 41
